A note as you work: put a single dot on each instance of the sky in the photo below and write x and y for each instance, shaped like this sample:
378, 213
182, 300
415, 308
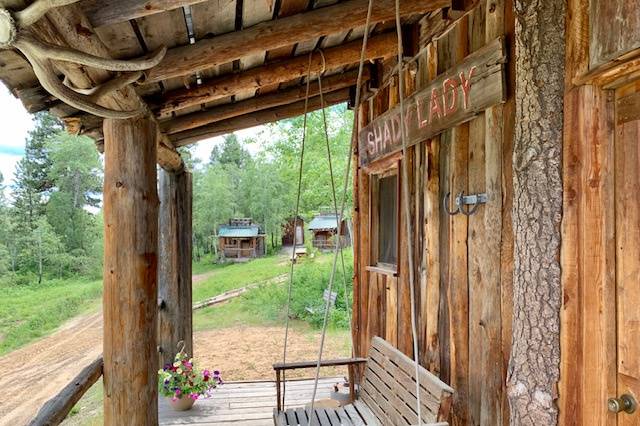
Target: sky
16, 122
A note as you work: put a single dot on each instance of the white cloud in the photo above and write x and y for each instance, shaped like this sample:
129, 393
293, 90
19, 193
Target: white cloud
202, 149
15, 123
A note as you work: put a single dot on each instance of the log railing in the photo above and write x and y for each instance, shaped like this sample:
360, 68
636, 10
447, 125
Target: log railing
54, 411
240, 252
327, 244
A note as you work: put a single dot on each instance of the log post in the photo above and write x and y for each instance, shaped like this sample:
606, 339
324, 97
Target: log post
534, 367
174, 267
130, 272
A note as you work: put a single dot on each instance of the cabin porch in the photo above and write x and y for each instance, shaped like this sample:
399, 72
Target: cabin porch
247, 403
543, 259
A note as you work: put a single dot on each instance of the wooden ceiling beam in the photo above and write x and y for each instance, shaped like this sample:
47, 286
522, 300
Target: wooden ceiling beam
61, 26
381, 46
261, 102
108, 12
257, 118
187, 60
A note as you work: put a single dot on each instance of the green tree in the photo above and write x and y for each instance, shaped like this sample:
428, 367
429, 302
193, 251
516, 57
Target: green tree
76, 173
32, 182
230, 152
5, 256
43, 250
213, 203
316, 179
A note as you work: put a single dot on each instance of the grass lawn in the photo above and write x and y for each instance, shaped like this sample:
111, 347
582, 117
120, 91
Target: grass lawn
227, 276
30, 312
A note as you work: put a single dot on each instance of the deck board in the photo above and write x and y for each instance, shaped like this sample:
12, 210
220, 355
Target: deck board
244, 403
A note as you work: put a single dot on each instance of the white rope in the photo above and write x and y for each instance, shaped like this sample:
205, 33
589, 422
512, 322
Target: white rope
335, 201
295, 227
406, 208
354, 134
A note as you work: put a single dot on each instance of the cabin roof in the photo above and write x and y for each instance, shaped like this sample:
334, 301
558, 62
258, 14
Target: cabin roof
230, 64
322, 222
231, 231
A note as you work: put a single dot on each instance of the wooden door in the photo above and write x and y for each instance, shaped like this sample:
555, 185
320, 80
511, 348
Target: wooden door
627, 207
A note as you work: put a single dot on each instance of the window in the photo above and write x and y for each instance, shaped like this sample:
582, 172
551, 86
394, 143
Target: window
385, 220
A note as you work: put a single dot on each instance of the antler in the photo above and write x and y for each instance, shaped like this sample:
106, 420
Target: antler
41, 54
37, 10
59, 53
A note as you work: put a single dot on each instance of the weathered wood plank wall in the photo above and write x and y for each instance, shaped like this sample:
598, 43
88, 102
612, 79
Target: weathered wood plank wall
463, 264
602, 40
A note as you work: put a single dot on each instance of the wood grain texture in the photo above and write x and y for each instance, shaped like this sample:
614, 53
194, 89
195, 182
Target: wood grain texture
615, 29
270, 35
174, 271
627, 242
481, 73
261, 102
130, 272
60, 27
261, 117
109, 12
277, 72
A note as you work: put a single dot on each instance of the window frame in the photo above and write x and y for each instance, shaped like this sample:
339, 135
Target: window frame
374, 216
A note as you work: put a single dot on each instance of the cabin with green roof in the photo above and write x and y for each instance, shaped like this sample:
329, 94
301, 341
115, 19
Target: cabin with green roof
241, 239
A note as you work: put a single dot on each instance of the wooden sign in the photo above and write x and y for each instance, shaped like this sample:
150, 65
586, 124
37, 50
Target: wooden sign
456, 96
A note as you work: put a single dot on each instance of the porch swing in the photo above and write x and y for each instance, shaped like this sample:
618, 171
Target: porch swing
394, 389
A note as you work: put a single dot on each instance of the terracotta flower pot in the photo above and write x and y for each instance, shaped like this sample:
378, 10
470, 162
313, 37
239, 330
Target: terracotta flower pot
183, 403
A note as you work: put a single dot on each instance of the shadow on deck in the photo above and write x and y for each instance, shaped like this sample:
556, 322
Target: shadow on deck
245, 403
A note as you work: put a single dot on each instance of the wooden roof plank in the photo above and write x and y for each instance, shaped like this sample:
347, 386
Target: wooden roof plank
377, 47
167, 29
287, 8
262, 102
60, 27
108, 12
281, 32
254, 13
213, 18
257, 118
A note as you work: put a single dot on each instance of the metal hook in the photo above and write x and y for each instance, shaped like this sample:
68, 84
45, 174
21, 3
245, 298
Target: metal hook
445, 204
470, 200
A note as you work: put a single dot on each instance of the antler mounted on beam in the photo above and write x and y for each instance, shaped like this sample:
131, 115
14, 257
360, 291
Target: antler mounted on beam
13, 34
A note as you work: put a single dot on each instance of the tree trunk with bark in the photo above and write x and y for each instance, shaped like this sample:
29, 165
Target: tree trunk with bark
534, 367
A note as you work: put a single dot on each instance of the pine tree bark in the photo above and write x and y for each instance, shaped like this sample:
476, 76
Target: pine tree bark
534, 366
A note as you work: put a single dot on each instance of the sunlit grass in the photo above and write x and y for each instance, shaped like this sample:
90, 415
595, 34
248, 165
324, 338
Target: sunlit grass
30, 312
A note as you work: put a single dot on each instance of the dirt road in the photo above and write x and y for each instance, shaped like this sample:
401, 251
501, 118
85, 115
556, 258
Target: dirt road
31, 375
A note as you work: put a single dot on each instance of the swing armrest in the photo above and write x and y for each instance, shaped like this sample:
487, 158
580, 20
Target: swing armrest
279, 366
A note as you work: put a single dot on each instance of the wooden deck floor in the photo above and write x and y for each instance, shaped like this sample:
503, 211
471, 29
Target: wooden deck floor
244, 403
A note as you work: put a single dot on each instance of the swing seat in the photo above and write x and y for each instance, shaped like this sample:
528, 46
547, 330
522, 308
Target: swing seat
387, 394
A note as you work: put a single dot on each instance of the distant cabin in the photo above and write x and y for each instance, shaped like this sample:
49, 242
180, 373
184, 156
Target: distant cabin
241, 239
293, 229
325, 228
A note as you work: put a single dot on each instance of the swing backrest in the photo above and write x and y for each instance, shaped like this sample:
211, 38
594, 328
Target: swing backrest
389, 388
329, 296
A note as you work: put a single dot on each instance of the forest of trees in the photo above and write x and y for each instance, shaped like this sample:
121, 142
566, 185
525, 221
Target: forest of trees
233, 183
47, 227
51, 224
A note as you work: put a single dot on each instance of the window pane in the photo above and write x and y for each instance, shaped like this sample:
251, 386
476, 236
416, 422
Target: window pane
388, 220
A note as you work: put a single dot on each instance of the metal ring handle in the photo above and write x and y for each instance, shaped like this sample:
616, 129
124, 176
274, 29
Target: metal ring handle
445, 204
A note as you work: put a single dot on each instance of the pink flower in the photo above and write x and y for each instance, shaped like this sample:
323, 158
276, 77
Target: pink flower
178, 392
174, 399
194, 396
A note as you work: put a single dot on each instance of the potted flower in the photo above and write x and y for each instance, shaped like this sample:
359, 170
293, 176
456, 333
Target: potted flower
182, 383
